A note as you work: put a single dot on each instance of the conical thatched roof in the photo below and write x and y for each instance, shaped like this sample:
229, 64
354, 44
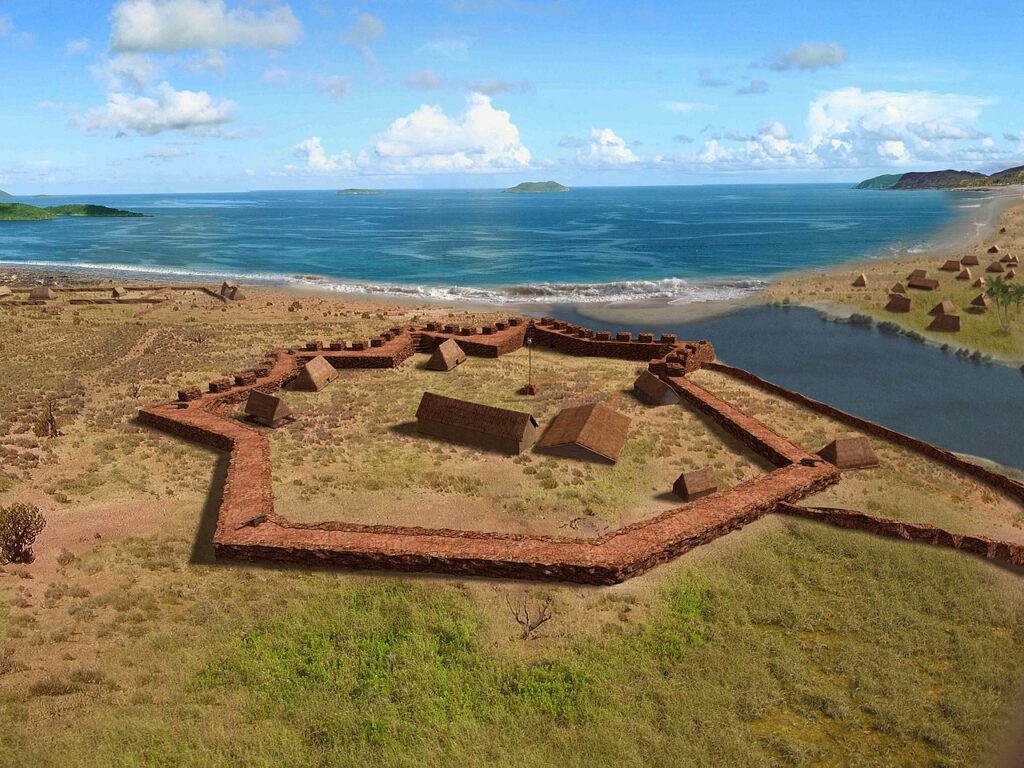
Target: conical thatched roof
898, 288
849, 453
946, 323
861, 281
447, 355
43, 292
899, 302
590, 431
944, 307
266, 409
315, 375
952, 265
694, 484
118, 292
654, 391
981, 300
970, 260
995, 266
965, 274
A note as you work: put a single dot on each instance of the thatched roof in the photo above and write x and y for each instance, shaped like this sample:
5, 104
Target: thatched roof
944, 307
1011, 274
42, 292
898, 288
118, 292
694, 484
970, 260
965, 274
979, 283
4, 290
952, 265
994, 249
981, 300
849, 453
917, 274
861, 281
587, 432
923, 283
475, 423
898, 302
447, 355
315, 375
266, 409
995, 266
945, 323
654, 391
226, 287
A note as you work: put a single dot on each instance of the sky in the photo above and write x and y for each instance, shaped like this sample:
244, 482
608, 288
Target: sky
230, 95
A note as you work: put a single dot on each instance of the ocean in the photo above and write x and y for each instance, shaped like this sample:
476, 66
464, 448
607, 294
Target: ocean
677, 244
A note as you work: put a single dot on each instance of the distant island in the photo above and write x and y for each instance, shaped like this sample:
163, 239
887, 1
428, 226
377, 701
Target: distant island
360, 192
538, 186
5, 194
948, 179
25, 212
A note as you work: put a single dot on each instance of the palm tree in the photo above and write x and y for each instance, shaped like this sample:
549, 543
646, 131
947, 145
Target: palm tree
1002, 295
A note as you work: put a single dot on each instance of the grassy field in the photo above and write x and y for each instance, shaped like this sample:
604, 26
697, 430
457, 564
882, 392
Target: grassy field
787, 643
979, 332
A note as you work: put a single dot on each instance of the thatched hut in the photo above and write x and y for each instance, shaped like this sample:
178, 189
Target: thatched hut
917, 274
118, 292
4, 291
42, 293
696, 483
965, 274
654, 391
979, 283
996, 266
922, 283
590, 432
226, 288
476, 424
981, 301
861, 281
266, 409
945, 323
315, 375
898, 302
447, 356
970, 260
944, 307
850, 453
951, 265
994, 249
898, 288
1011, 274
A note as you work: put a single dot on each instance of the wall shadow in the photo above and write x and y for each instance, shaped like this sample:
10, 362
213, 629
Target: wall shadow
202, 543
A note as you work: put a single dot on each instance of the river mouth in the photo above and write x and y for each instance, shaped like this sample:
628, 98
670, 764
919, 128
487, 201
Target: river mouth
966, 407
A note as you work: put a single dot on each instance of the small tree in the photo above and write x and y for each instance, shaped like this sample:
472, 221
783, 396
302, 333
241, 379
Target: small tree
20, 524
46, 421
529, 619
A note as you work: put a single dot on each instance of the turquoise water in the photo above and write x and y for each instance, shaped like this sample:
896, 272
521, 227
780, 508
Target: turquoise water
596, 244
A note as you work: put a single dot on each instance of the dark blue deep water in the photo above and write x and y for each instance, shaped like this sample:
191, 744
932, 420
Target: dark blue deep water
962, 406
592, 244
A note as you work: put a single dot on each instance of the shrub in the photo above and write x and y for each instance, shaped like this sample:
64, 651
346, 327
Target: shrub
20, 524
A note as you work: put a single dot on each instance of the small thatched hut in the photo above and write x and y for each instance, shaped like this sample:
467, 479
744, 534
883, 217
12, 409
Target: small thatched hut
692, 485
995, 266
970, 260
315, 375
898, 288
944, 307
951, 265
965, 274
654, 391
923, 283
898, 302
266, 409
945, 323
981, 301
979, 283
849, 453
4, 290
43, 293
447, 356
994, 249
118, 292
476, 424
861, 281
590, 432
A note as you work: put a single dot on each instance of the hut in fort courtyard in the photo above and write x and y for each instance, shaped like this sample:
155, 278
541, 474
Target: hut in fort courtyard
315, 375
654, 391
266, 409
118, 292
695, 484
43, 293
476, 424
589, 432
447, 356
849, 453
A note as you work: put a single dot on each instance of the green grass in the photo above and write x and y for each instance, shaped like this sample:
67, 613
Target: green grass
805, 645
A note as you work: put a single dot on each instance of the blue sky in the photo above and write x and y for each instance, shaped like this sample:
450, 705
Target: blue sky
196, 95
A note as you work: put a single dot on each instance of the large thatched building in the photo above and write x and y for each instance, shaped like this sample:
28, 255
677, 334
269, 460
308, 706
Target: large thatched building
476, 424
590, 432
315, 375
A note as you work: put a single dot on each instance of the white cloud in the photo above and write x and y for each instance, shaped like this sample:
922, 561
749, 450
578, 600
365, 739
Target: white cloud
168, 26
493, 87
809, 56
167, 154
571, 142
451, 47
482, 138
213, 61
50, 106
166, 110
75, 47
427, 80
137, 69
335, 86
754, 87
607, 150
367, 30
316, 159
683, 106
277, 76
